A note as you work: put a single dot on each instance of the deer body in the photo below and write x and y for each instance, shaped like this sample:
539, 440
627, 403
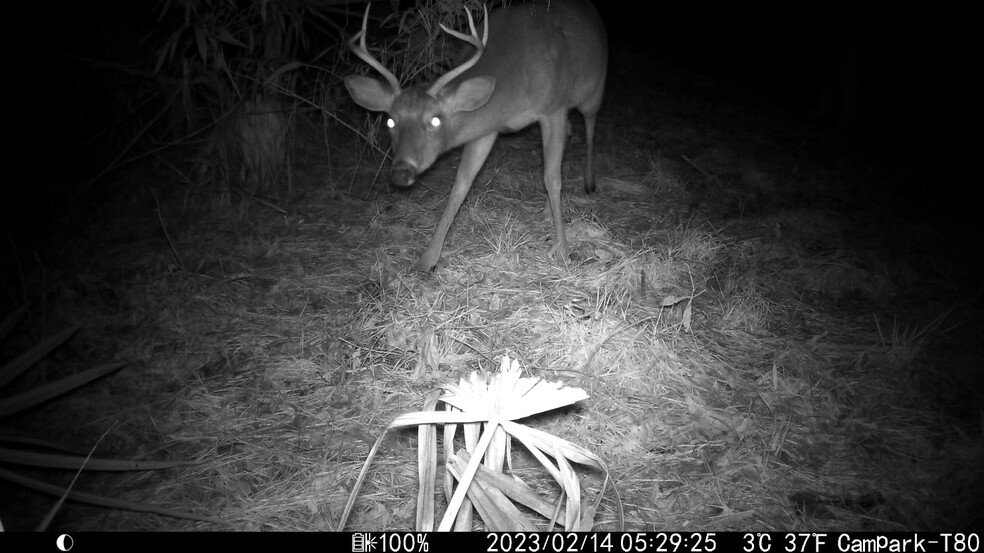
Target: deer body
539, 61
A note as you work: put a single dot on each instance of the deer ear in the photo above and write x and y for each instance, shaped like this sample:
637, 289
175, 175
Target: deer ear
369, 93
471, 94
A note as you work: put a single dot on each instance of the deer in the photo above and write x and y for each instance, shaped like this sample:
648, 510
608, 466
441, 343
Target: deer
534, 63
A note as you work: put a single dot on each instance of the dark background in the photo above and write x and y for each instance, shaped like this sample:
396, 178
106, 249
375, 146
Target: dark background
907, 72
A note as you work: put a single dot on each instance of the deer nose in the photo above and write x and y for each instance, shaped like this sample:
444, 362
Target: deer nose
402, 173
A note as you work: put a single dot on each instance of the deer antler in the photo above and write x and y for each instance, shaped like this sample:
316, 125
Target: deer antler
472, 39
364, 54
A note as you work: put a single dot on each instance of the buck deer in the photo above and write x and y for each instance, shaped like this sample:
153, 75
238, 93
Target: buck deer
534, 63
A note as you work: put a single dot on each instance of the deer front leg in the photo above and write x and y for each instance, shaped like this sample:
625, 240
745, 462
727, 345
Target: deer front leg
472, 159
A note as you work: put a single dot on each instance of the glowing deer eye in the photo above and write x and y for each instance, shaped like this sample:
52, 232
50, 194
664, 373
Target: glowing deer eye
390, 123
435, 121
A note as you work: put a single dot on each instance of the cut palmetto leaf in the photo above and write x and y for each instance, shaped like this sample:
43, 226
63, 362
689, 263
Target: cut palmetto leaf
22, 402
99, 500
75, 462
20, 450
488, 408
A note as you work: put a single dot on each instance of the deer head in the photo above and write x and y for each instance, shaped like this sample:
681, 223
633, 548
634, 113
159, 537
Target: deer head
421, 119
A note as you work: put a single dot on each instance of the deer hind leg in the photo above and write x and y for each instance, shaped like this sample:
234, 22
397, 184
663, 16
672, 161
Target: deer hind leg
553, 127
589, 130
472, 159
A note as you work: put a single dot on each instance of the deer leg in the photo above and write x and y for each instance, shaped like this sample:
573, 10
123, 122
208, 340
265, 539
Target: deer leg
553, 127
472, 159
589, 129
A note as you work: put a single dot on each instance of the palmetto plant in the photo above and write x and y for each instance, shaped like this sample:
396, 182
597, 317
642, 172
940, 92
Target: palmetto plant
230, 67
488, 408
